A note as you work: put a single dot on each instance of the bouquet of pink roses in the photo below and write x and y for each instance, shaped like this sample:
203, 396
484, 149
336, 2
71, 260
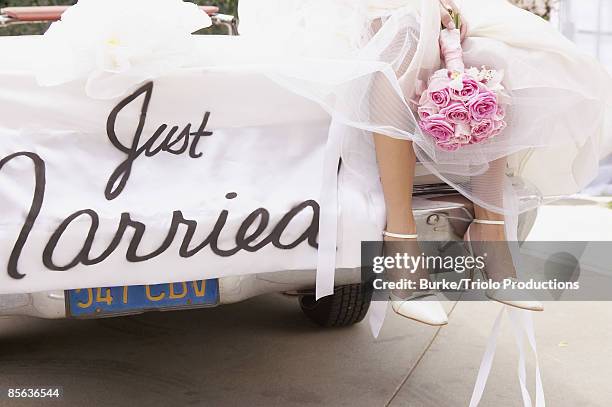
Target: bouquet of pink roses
461, 106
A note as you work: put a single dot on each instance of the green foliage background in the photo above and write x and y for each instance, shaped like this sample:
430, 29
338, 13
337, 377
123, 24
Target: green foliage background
226, 6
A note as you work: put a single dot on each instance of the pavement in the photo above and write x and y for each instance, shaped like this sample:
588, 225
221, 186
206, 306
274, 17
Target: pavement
264, 352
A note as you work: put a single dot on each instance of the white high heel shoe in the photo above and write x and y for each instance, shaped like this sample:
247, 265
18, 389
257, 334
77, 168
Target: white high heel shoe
422, 307
501, 295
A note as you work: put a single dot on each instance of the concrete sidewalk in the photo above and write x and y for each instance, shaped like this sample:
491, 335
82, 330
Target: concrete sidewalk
575, 353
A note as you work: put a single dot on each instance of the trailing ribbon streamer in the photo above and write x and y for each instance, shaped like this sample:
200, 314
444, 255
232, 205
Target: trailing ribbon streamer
376, 316
487, 362
328, 222
522, 324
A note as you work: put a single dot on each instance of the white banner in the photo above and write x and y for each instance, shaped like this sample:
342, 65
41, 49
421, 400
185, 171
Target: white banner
187, 177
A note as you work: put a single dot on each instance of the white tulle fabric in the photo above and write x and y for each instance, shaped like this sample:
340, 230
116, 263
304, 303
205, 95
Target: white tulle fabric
115, 44
366, 62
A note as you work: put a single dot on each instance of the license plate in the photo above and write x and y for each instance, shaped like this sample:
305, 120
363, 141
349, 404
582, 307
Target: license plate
110, 301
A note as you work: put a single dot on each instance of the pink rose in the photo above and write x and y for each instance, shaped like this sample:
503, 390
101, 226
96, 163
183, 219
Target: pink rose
440, 98
470, 89
463, 134
438, 127
487, 129
483, 106
449, 145
482, 130
427, 110
456, 112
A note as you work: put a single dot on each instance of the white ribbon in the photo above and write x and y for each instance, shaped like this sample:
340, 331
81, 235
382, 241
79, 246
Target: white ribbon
376, 316
522, 324
511, 204
487, 362
328, 221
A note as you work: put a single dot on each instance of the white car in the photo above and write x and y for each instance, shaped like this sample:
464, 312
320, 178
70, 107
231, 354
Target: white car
442, 215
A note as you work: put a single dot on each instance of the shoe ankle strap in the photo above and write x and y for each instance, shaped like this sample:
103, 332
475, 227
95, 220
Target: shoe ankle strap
488, 222
400, 236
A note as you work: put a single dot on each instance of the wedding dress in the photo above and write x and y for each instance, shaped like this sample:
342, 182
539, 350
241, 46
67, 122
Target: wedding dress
366, 62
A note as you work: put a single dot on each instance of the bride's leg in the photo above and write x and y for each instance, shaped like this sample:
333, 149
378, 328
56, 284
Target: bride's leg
492, 239
397, 162
489, 187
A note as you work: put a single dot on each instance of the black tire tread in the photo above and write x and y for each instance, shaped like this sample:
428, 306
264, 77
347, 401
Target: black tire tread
347, 306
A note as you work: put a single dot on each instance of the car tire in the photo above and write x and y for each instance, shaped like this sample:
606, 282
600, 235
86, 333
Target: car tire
347, 306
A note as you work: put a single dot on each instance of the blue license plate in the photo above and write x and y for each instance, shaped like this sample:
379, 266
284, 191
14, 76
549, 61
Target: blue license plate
110, 301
